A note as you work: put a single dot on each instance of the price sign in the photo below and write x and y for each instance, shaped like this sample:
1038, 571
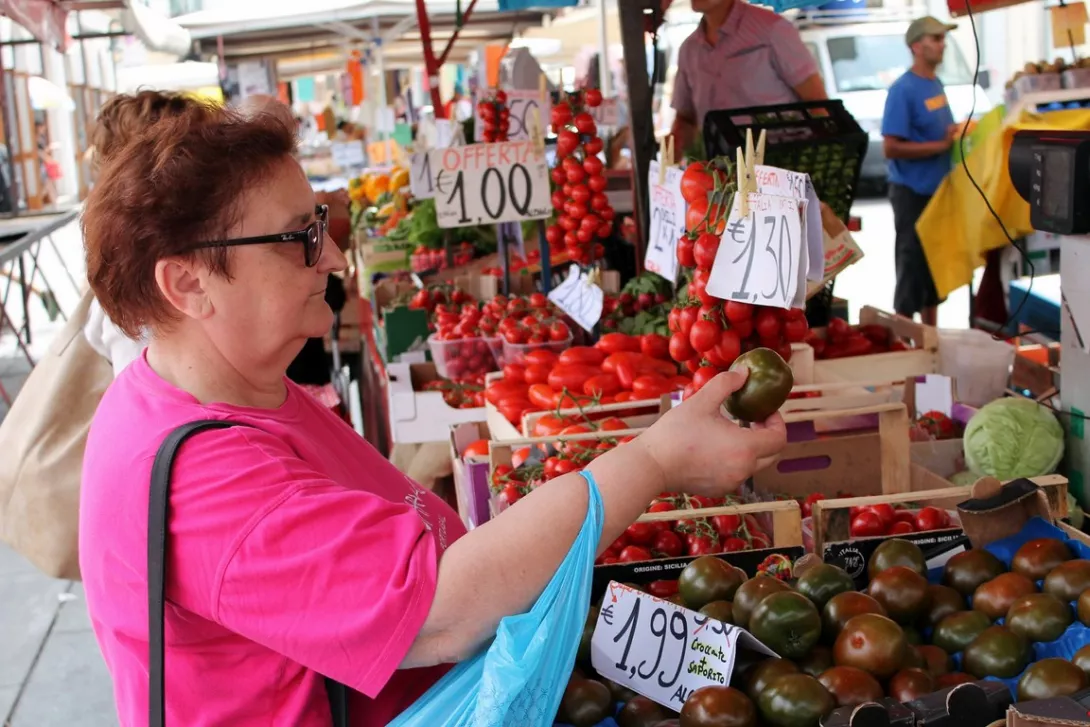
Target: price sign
421, 180
785, 183
667, 222
348, 154
485, 184
607, 113
661, 650
762, 254
579, 298
521, 105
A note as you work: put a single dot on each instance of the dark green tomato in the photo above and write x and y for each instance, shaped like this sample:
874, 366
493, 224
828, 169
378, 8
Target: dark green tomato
818, 661
896, 552
1050, 678
767, 386
872, 643
1081, 659
788, 623
943, 602
1036, 558
760, 676
967, 571
707, 579
795, 700
958, 630
822, 582
908, 685
640, 712
585, 703
913, 658
752, 592
912, 635
619, 692
719, 610
1068, 580
936, 661
1082, 607
998, 652
1039, 617
996, 597
718, 707
583, 655
902, 592
843, 607
669, 723
851, 687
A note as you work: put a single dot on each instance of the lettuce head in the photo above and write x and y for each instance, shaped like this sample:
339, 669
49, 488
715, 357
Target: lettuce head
1013, 437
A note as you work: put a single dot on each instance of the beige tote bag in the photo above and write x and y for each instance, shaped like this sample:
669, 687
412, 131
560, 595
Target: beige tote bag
42, 439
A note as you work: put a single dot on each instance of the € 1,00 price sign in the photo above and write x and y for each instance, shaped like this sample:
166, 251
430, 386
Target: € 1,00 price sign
661, 650
581, 299
762, 255
485, 184
667, 222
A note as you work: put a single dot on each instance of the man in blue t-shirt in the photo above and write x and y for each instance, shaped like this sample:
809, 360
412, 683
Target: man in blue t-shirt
919, 130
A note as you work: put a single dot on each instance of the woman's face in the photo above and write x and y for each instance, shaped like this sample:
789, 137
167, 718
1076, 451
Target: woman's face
272, 302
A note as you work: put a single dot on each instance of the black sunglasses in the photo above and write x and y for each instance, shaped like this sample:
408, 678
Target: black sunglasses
312, 237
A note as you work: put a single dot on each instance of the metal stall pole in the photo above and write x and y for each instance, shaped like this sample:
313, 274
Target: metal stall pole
640, 97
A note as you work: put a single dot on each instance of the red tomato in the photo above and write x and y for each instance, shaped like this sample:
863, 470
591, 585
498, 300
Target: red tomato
703, 375
902, 527
604, 383
634, 554
701, 545
559, 331
696, 183
541, 356
478, 448
626, 374
612, 343
736, 311
566, 142
592, 97
704, 250
667, 544
613, 359
867, 524
503, 388
808, 503
758, 540
641, 533
564, 466
541, 396
795, 330
687, 318
519, 456
704, 335
680, 348
662, 589
729, 347
904, 516
651, 386
726, 525
885, 514
511, 494
932, 518
536, 373
655, 345
767, 324
572, 376
686, 252
734, 544
612, 424
583, 355
514, 372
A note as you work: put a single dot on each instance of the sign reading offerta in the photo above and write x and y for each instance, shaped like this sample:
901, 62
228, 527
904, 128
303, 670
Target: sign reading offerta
485, 184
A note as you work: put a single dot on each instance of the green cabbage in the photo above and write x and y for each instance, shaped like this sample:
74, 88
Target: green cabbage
1012, 438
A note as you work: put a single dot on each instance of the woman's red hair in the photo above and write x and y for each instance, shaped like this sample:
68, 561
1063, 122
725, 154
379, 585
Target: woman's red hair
165, 189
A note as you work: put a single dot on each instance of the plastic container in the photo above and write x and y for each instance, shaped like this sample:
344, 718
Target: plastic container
516, 352
978, 363
466, 357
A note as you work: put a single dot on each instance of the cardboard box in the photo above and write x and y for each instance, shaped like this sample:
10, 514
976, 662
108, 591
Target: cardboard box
398, 329
421, 416
471, 489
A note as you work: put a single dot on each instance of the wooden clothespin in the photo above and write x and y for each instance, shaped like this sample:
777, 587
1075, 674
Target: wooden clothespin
662, 160
537, 137
669, 150
542, 88
760, 160
747, 178
594, 276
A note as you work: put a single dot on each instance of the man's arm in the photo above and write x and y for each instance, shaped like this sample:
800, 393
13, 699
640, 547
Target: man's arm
897, 148
812, 89
683, 131
684, 127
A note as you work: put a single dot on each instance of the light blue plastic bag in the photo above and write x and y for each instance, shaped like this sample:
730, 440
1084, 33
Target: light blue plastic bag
519, 680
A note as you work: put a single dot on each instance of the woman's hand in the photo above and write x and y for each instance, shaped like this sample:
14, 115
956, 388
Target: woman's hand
702, 452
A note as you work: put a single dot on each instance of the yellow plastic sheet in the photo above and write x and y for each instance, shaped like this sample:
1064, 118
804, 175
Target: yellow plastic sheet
957, 229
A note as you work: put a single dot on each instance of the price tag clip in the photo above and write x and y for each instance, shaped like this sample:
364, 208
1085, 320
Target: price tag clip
537, 138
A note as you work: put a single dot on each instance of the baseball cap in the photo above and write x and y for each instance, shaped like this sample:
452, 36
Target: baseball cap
926, 25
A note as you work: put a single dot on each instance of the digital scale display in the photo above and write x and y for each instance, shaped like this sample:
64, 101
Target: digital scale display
1058, 166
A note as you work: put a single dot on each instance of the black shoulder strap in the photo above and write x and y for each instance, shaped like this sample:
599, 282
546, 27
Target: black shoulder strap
158, 516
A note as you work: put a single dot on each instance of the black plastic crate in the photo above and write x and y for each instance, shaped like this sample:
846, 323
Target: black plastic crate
819, 138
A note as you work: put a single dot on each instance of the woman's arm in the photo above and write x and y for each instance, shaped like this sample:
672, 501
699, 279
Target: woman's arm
500, 568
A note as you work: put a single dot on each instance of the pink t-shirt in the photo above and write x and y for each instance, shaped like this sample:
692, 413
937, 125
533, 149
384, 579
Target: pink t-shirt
296, 551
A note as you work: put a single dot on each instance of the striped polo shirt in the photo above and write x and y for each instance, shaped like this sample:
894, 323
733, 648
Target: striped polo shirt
757, 60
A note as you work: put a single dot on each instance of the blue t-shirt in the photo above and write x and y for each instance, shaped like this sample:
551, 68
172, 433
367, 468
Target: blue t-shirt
917, 110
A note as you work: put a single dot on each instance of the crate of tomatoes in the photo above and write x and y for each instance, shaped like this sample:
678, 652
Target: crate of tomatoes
882, 345
423, 405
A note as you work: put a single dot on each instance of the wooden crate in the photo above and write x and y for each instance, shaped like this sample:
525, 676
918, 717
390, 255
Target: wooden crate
922, 359
832, 521
1036, 369
866, 463
784, 518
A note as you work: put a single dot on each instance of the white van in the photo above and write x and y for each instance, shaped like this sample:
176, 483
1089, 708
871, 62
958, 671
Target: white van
860, 59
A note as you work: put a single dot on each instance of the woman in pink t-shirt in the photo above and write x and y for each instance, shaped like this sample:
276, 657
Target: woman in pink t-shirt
296, 551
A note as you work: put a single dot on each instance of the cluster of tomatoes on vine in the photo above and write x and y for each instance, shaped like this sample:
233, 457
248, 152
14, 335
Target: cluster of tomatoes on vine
689, 536
459, 394
583, 211
495, 117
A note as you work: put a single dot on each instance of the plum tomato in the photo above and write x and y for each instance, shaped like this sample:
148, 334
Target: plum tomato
634, 554
932, 518
668, 544
641, 533
867, 524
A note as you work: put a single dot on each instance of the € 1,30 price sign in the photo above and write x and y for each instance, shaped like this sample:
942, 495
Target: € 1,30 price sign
661, 650
581, 299
762, 256
667, 222
485, 184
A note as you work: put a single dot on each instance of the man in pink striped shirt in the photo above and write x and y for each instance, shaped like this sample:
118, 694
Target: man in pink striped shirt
741, 55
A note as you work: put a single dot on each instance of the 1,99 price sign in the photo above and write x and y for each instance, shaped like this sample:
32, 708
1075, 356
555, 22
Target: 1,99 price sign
661, 650
761, 255
485, 184
667, 222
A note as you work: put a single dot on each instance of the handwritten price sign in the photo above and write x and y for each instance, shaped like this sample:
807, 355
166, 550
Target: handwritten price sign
667, 222
485, 184
762, 254
580, 298
786, 183
521, 105
421, 181
661, 650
